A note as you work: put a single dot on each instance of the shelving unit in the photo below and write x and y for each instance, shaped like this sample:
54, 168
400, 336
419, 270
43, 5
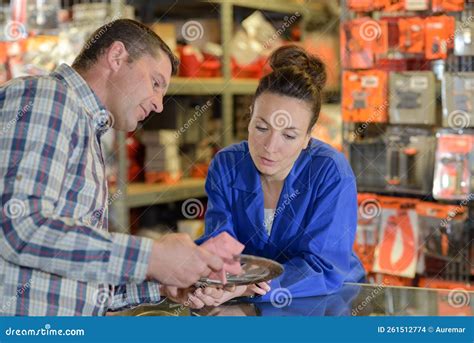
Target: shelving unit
135, 195
211, 86
142, 194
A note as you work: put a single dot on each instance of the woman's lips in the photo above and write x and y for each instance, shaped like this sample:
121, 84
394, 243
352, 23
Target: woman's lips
267, 162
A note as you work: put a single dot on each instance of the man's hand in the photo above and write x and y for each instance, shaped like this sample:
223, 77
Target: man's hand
177, 261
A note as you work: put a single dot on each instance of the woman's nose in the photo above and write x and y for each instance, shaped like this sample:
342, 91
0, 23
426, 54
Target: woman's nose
271, 142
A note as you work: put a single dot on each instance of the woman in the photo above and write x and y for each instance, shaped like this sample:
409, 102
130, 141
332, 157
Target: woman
283, 194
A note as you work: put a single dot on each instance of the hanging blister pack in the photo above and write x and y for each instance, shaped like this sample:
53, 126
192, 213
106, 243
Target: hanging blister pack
463, 38
458, 100
410, 160
412, 98
367, 100
442, 228
411, 37
361, 40
367, 158
454, 165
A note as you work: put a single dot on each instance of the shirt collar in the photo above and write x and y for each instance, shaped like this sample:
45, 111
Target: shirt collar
94, 108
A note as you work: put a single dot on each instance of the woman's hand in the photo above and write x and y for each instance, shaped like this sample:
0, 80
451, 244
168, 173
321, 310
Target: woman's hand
211, 296
229, 293
260, 288
192, 297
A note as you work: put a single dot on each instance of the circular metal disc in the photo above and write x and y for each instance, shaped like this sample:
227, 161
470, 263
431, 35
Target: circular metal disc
255, 269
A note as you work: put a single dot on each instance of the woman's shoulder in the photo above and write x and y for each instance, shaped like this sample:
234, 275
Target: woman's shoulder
232, 156
233, 153
325, 156
241, 147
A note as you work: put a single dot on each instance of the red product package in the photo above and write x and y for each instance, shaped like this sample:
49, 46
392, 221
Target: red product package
412, 34
447, 5
228, 248
439, 33
361, 40
366, 99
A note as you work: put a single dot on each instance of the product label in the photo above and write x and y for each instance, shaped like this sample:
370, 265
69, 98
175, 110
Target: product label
469, 84
416, 5
419, 82
370, 81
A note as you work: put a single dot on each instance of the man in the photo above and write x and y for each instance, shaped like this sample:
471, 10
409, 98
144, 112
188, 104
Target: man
56, 256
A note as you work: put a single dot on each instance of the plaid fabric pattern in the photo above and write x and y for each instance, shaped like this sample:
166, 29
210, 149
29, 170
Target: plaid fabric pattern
56, 256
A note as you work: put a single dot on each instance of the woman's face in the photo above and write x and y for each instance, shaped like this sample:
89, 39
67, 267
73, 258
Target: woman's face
278, 131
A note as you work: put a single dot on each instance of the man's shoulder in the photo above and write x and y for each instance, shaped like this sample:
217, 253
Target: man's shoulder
34, 86
41, 93
39, 100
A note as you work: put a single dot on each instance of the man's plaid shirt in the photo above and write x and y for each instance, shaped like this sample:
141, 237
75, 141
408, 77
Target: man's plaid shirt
56, 256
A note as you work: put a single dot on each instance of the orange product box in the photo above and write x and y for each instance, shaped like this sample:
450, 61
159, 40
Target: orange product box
441, 211
365, 96
411, 35
361, 40
365, 5
447, 5
360, 5
405, 5
439, 33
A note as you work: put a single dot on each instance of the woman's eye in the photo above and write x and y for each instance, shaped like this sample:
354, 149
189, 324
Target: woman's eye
261, 129
155, 84
289, 137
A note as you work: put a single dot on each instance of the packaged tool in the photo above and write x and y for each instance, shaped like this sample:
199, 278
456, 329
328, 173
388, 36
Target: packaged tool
445, 232
365, 97
361, 40
368, 161
360, 5
439, 31
396, 253
411, 35
463, 38
442, 228
412, 98
447, 5
454, 164
410, 159
405, 5
368, 223
365, 5
43, 14
457, 93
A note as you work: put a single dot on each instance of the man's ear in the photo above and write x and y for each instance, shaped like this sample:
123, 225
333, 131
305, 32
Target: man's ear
116, 55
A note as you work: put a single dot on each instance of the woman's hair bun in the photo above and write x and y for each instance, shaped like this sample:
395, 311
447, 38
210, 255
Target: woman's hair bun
297, 57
